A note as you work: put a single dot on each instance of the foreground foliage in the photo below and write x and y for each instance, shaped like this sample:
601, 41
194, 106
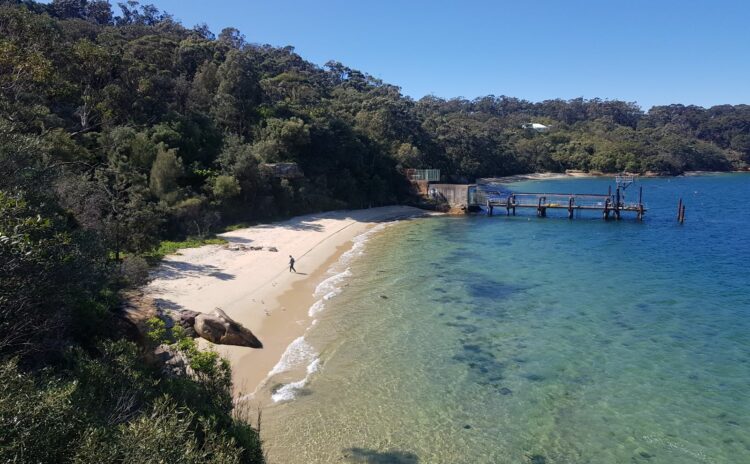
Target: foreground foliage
111, 408
69, 392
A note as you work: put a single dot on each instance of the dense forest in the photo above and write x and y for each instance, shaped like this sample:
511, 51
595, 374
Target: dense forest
120, 128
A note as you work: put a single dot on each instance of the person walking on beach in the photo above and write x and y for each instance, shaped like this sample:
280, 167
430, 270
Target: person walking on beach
291, 265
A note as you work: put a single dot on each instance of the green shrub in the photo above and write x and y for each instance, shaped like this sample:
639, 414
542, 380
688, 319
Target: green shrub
113, 407
168, 247
38, 417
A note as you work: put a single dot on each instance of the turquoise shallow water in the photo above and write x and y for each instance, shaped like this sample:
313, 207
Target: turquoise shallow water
526, 340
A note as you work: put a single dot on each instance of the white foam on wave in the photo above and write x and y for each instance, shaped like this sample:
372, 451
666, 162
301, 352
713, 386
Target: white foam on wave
296, 354
331, 284
289, 391
316, 308
329, 288
359, 241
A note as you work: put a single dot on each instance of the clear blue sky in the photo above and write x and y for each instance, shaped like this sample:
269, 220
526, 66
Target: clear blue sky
650, 51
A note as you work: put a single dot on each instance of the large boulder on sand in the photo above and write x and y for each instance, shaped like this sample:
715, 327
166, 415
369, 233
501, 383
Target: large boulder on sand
221, 329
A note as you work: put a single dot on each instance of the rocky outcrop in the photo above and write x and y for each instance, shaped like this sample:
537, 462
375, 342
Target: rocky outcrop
216, 327
221, 329
174, 362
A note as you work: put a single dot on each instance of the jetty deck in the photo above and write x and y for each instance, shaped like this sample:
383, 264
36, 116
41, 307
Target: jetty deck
611, 206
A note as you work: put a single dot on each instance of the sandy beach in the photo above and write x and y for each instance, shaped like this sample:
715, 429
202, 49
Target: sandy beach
255, 287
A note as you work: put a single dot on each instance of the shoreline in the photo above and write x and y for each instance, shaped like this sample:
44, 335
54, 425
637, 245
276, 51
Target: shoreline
255, 287
572, 173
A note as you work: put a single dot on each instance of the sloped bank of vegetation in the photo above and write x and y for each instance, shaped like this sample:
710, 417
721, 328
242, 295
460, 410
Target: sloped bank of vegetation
120, 130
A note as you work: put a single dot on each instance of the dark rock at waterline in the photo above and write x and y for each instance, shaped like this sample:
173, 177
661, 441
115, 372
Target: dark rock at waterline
506, 391
537, 459
467, 426
383, 297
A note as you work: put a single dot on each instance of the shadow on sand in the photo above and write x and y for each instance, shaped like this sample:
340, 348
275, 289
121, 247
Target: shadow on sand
161, 303
295, 224
308, 222
171, 270
236, 240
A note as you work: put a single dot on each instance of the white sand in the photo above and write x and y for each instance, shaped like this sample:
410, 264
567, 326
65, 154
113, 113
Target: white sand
255, 288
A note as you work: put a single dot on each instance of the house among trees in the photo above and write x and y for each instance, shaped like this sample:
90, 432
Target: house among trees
536, 126
284, 170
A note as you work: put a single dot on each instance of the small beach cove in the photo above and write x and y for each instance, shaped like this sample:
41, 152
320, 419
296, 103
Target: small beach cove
255, 287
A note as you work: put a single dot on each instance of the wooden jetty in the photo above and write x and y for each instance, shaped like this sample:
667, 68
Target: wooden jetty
611, 206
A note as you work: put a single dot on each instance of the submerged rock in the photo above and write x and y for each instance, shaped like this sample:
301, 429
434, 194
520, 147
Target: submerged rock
221, 329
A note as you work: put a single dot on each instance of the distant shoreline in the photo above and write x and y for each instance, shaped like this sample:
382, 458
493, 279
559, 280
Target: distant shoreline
572, 173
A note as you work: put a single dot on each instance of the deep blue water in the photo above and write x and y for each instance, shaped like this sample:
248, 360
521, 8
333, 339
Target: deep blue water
528, 340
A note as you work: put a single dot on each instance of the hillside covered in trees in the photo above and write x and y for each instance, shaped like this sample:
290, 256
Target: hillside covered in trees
177, 127
120, 127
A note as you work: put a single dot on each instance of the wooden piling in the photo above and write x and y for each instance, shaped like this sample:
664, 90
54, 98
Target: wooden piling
507, 206
570, 208
679, 209
541, 210
682, 214
640, 204
605, 214
617, 204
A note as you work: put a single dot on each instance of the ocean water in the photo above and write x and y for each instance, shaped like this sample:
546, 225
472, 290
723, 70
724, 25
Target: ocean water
527, 340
